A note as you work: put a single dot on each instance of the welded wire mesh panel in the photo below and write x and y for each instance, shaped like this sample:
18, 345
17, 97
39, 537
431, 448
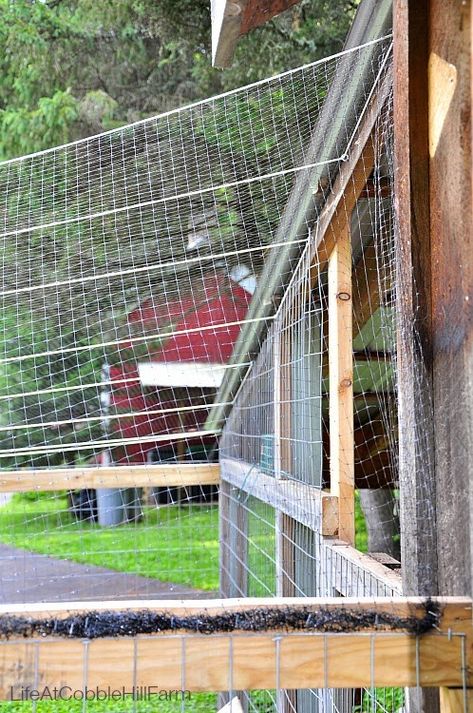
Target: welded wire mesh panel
131, 254
132, 269
276, 652
314, 423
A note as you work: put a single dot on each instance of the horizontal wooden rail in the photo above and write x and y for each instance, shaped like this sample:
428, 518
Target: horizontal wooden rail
303, 502
242, 660
165, 475
352, 571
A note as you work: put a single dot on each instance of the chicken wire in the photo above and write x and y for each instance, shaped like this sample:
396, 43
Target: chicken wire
132, 262
278, 433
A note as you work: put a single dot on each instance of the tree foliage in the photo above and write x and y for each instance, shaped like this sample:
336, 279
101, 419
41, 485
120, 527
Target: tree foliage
71, 68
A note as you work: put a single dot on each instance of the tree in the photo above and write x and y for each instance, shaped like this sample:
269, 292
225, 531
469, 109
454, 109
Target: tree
71, 68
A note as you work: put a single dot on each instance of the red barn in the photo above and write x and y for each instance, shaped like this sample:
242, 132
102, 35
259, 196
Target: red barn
180, 373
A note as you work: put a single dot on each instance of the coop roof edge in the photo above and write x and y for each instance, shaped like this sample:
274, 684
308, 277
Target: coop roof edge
373, 20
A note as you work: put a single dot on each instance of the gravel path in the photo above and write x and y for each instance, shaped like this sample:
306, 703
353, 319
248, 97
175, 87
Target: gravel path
27, 577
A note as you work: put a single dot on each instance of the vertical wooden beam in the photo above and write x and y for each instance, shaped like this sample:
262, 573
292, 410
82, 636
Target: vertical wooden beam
233, 567
342, 462
456, 700
283, 456
452, 284
415, 391
233, 543
414, 325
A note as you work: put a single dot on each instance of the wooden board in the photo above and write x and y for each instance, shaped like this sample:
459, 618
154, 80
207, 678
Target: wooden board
350, 182
450, 186
198, 662
233, 18
342, 452
411, 189
310, 506
127, 476
355, 573
456, 700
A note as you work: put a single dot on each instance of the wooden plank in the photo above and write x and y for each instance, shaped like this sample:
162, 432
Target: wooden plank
368, 279
306, 504
226, 24
342, 463
455, 612
456, 700
126, 476
233, 542
414, 337
354, 573
200, 662
349, 183
231, 19
450, 185
258, 12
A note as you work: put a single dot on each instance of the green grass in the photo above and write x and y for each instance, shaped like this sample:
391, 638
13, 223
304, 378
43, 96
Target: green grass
361, 534
172, 544
175, 544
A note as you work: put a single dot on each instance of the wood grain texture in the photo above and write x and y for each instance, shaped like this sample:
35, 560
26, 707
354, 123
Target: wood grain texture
354, 573
258, 12
452, 283
127, 476
246, 661
306, 504
342, 463
414, 337
456, 700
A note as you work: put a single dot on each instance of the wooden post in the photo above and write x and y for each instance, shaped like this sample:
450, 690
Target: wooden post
411, 186
456, 700
432, 114
233, 565
342, 465
416, 452
452, 284
233, 543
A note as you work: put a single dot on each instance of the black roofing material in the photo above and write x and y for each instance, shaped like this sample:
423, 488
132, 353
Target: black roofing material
101, 624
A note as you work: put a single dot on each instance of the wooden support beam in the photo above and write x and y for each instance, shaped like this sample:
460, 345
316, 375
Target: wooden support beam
166, 475
456, 700
342, 465
368, 280
256, 660
352, 571
306, 504
233, 540
411, 190
450, 196
350, 182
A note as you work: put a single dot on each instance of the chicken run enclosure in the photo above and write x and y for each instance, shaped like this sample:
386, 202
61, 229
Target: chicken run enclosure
215, 411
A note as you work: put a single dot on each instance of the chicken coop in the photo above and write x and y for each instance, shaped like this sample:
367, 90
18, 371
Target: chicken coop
235, 421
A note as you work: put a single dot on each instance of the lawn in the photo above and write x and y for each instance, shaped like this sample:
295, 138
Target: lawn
176, 544
172, 544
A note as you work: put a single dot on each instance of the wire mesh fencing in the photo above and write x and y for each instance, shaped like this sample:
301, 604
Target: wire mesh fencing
198, 389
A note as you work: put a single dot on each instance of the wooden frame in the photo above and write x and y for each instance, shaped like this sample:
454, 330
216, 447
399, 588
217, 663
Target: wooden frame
200, 662
342, 448
304, 503
166, 475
